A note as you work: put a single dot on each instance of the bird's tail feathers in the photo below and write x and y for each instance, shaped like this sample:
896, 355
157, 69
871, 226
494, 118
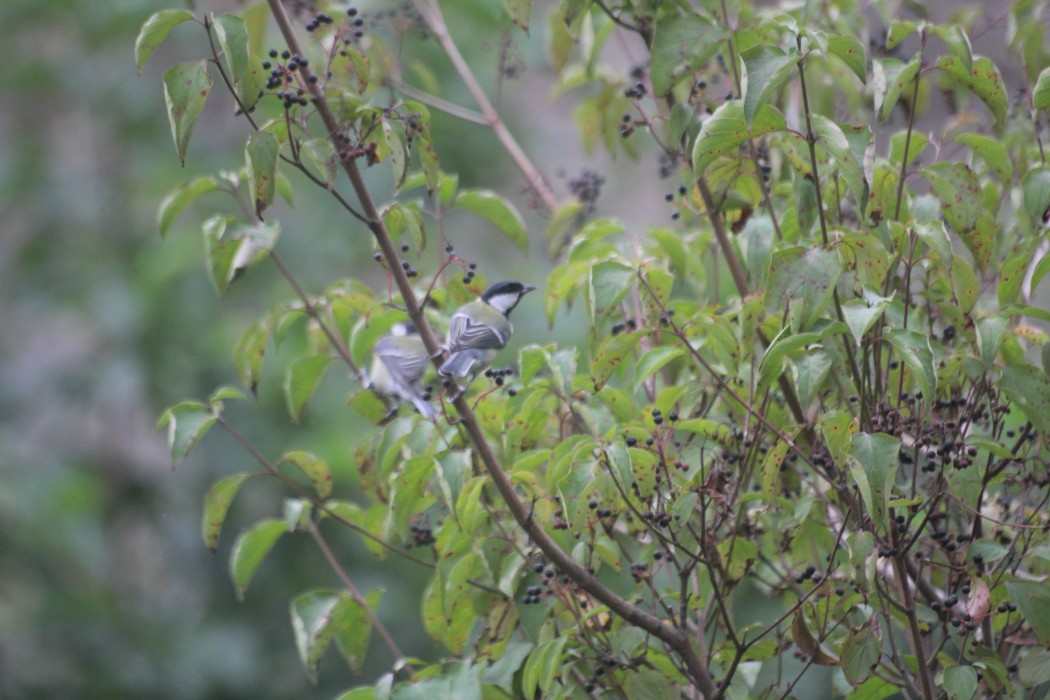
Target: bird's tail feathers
460, 364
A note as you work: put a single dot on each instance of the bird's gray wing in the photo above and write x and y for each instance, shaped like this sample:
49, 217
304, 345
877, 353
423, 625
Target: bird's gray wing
465, 334
412, 364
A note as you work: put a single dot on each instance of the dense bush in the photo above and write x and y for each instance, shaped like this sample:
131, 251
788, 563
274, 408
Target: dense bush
803, 451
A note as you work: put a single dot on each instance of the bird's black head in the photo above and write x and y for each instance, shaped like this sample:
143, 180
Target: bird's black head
504, 296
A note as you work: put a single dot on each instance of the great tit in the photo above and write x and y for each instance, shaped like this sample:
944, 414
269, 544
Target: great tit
398, 364
479, 330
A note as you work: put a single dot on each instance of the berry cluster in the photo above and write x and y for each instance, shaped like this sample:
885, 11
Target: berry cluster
319, 21
587, 188
636, 91
497, 375
282, 74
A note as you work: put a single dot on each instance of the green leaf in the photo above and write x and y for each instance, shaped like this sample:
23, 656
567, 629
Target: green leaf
1035, 188
982, 78
217, 504
261, 156
249, 352
992, 152
154, 31
498, 211
960, 682
652, 362
608, 284
186, 89
612, 352
312, 615
860, 654
232, 34
246, 246
408, 494
519, 11
681, 44
957, 42
850, 50
301, 381
805, 277
249, 550
914, 349
959, 191
187, 423
1012, 273
314, 468
186, 194
1035, 668
873, 462
424, 146
899, 31
838, 147
543, 666
404, 224
965, 285
765, 69
990, 331
396, 149
353, 626
810, 372
724, 131
861, 315
1033, 600
891, 76
916, 143
1029, 389
1041, 92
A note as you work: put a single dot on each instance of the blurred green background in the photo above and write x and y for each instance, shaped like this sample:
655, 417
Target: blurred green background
106, 589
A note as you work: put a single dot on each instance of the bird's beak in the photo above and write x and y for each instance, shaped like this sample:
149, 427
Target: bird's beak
528, 288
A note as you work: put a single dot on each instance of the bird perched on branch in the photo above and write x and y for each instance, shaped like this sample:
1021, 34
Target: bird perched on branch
399, 361
478, 331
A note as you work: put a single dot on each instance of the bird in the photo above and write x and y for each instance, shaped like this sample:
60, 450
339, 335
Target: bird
399, 361
479, 330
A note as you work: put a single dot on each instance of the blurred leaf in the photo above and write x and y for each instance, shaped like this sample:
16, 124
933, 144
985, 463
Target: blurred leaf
810, 371
900, 30
1040, 94
957, 42
187, 423
1029, 389
519, 11
314, 468
681, 44
724, 131
965, 285
217, 504
404, 223
186, 194
408, 494
186, 88
982, 79
610, 354
498, 211
959, 191
261, 155
609, 283
808, 644
1012, 273
1035, 187
353, 626
543, 666
891, 76
960, 682
860, 655
803, 276
873, 462
1033, 600
155, 30
396, 149
423, 144
249, 352
836, 144
766, 69
301, 381
249, 550
916, 142
850, 50
1035, 668
992, 152
914, 349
